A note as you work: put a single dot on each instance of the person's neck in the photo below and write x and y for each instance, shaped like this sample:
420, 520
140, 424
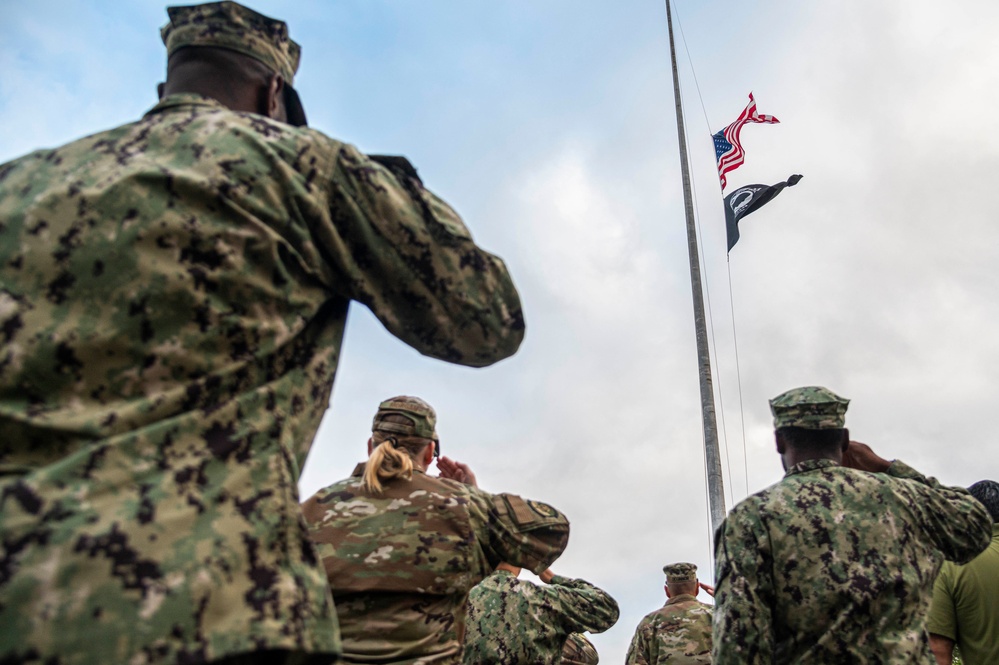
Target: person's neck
793, 458
223, 94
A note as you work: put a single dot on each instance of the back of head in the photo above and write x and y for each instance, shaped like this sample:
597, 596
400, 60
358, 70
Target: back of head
199, 37
811, 419
231, 26
406, 416
987, 493
681, 578
809, 407
813, 442
226, 76
402, 428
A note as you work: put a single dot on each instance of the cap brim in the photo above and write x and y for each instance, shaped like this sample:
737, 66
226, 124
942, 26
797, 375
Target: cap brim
293, 107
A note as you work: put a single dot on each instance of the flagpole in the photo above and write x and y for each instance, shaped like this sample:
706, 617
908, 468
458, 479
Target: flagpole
712, 456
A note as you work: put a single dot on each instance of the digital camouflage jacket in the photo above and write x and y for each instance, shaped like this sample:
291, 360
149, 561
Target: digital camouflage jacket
835, 565
173, 294
513, 621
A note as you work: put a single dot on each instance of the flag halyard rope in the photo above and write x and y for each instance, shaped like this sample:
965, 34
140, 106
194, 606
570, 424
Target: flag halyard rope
710, 312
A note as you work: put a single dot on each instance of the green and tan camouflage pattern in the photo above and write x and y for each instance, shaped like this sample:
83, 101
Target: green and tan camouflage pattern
811, 407
232, 26
835, 565
512, 621
173, 295
679, 633
401, 563
422, 417
578, 650
680, 572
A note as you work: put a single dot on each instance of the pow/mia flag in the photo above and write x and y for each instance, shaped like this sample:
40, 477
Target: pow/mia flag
747, 199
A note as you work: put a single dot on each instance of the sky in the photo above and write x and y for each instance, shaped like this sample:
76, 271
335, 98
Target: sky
550, 127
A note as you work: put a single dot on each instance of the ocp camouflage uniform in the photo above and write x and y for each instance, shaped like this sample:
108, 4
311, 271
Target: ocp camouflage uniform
512, 621
173, 295
679, 633
401, 563
834, 565
578, 650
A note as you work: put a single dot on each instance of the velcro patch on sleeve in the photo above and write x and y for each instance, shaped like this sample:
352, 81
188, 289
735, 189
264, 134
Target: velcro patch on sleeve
528, 514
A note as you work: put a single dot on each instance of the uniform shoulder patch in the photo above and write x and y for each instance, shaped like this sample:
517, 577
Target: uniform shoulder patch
527, 513
542, 509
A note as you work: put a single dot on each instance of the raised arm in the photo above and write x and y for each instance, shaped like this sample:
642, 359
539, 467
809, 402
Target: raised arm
522, 532
956, 523
949, 517
582, 606
406, 255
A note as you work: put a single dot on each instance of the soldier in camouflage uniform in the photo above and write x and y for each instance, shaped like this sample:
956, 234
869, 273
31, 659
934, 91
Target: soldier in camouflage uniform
511, 621
402, 548
836, 563
173, 294
680, 632
578, 650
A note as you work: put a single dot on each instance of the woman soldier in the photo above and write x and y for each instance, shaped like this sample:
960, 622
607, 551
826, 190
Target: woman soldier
402, 549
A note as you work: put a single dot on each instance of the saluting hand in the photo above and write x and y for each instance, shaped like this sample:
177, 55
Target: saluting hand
860, 456
708, 589
456, 471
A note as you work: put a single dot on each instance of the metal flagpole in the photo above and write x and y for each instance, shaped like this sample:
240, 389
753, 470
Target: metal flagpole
716, 490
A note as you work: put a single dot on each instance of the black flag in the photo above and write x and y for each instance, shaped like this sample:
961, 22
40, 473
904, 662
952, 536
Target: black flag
749, 199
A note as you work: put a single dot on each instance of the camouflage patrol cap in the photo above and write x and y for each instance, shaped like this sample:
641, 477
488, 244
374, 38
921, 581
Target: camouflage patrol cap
232, 26
420, 414
680, 572
811, 407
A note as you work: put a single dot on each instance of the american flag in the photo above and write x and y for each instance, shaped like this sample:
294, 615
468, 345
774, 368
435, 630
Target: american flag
728, 150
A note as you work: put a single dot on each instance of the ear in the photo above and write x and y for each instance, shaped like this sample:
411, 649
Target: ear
428, 453
371, 446
666, 589
159, 90
781, 446
275, 98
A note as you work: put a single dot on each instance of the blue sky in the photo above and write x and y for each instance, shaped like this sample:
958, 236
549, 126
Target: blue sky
549, 125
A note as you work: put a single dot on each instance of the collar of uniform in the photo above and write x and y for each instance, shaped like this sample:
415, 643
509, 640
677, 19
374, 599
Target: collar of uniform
184, 99
680, 598
810, 465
